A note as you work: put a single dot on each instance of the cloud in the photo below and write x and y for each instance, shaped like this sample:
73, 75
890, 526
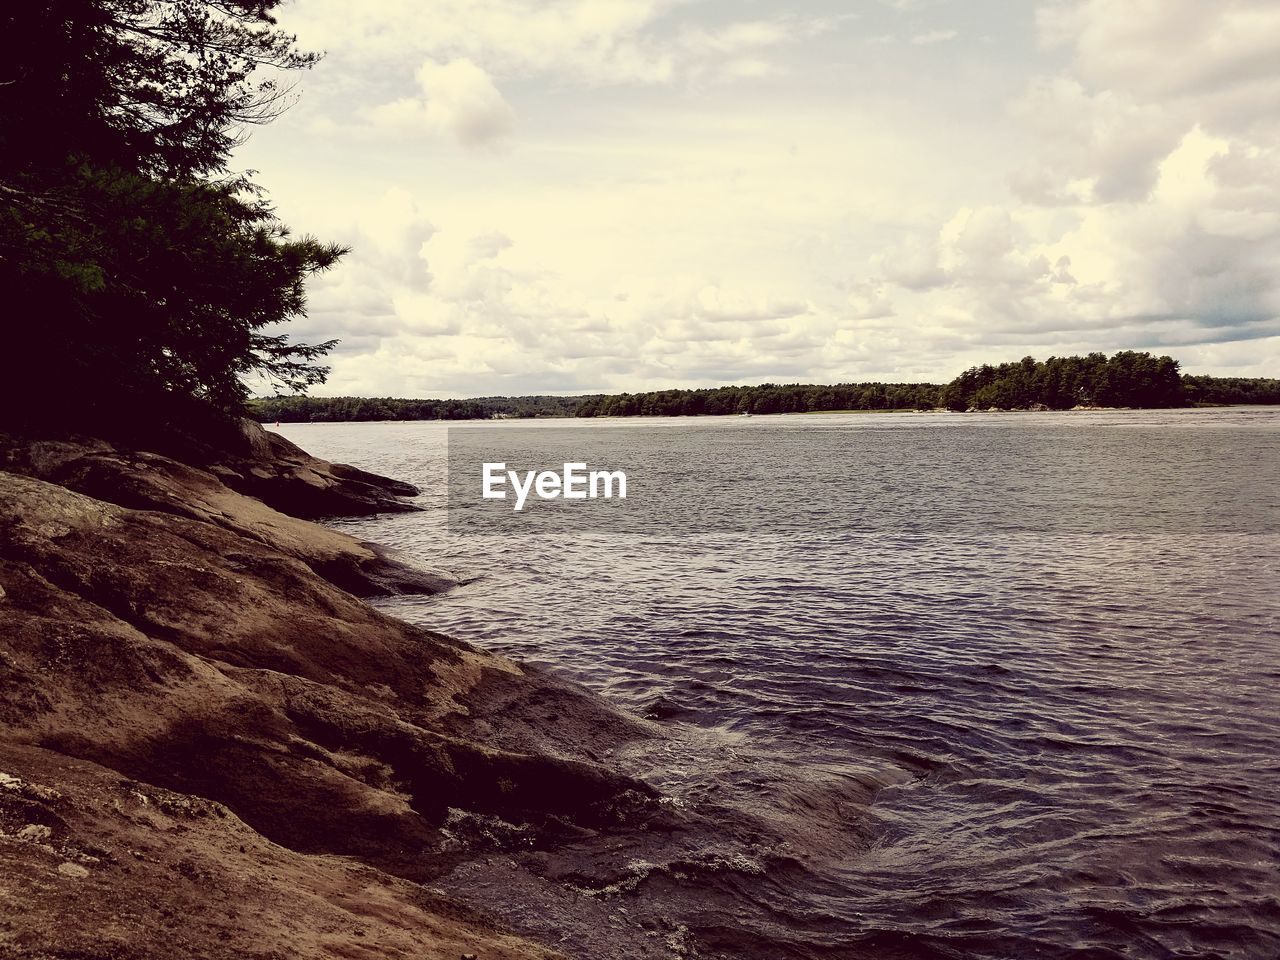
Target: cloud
1146, 211
914, 265
748, 68
737, 38
1168, 49
933, 36
868, 301
458, 99
714, 303
1091, 146
587, 41
697, 195
494, 318
603, 39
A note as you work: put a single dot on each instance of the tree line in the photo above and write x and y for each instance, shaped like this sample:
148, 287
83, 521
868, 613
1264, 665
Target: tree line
1217, 391
304, 409
763, 399
1126, 379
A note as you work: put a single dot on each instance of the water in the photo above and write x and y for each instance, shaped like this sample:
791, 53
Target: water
1027, 662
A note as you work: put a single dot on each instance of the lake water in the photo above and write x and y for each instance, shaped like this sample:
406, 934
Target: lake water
1044, 647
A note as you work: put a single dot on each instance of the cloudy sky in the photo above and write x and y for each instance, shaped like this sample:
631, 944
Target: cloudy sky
606, 195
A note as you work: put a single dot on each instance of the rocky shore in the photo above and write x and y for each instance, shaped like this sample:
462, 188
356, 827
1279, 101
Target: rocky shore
211, 747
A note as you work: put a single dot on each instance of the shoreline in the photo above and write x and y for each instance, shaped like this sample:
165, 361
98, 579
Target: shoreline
211, 746
198, 717
272, 423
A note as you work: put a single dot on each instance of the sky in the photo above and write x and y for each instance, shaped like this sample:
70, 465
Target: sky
571, 196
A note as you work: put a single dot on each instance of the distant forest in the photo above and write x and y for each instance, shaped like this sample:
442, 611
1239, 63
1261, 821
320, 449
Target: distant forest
303, 409
1127, 379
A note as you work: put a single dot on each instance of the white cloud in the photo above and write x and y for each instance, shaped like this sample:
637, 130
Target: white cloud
1168, 49
933, 36
736, 38
1091, 146
748, 68
457, 98
914, 265
592, 41
868, 301
695, 196
1141, 216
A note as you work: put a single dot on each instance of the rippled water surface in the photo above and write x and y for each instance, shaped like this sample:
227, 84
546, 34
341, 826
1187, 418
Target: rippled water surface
1072, 728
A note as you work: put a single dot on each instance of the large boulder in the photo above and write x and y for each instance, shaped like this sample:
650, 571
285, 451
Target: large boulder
149, 481
177, 656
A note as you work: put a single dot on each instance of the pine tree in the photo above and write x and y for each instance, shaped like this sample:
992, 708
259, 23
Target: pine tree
141, 275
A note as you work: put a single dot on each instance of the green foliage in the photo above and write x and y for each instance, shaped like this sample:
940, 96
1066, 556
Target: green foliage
349, 409
1217, 391
765, 398
136, 268
1128, 379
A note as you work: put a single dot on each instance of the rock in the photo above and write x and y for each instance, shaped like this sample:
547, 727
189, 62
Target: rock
146, 481
209, 660
34, 833
28, 791
220, 718
286, 477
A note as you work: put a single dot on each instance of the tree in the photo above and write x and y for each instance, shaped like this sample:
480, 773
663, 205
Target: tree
139, 271
1128, 379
